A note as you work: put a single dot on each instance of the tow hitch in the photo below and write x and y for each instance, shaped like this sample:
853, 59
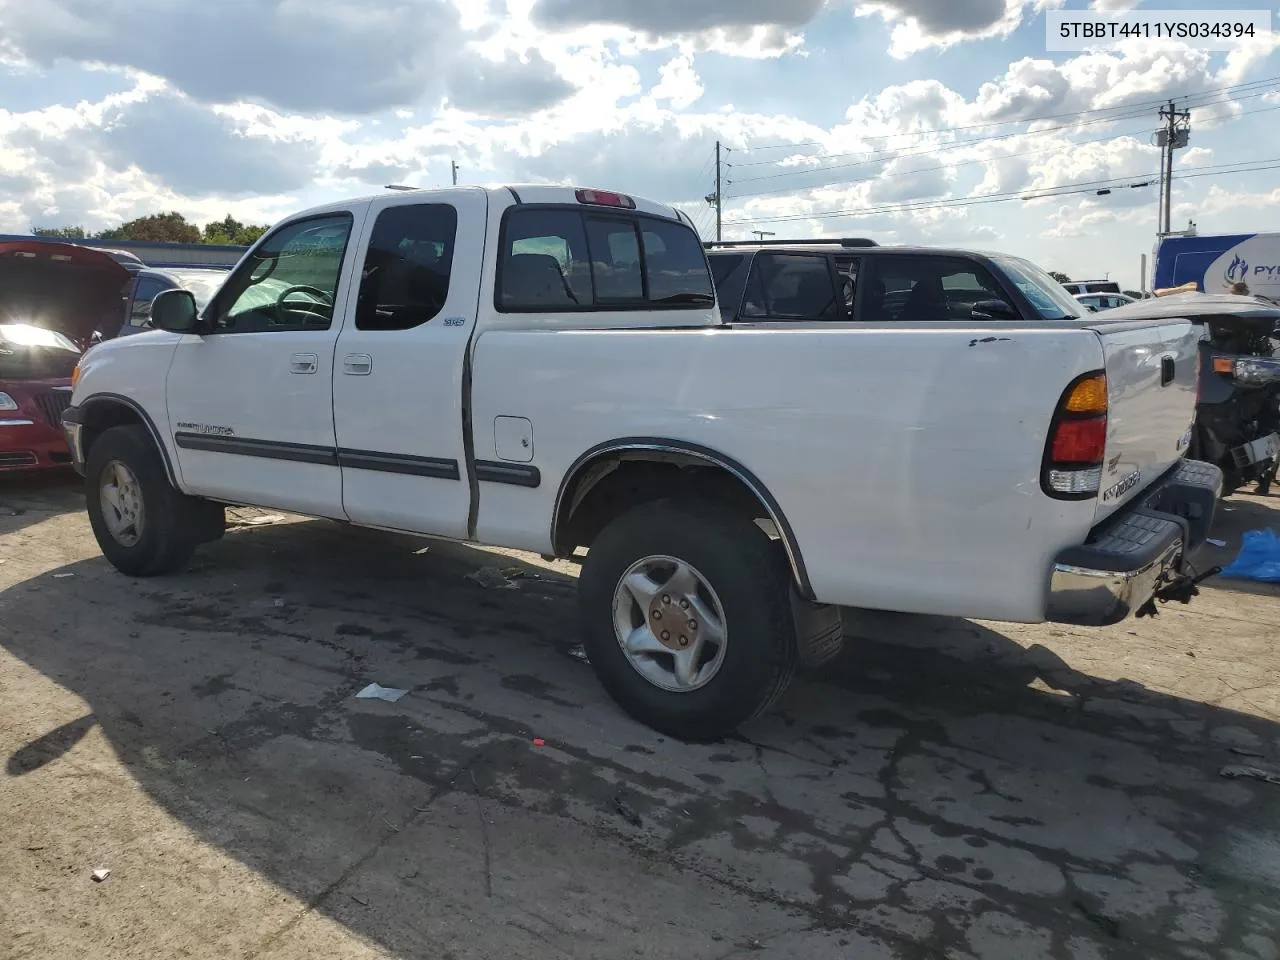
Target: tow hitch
1180, 587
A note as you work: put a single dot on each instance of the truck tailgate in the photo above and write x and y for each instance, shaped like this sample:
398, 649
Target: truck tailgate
1151, 386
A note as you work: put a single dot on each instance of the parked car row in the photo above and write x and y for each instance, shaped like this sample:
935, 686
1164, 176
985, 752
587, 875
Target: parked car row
57, 299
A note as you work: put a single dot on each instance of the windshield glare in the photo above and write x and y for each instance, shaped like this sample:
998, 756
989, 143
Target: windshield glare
1049, 297
202, 286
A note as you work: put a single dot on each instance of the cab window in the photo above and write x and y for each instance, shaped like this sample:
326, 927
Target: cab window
565, 260
289, 282
405, 280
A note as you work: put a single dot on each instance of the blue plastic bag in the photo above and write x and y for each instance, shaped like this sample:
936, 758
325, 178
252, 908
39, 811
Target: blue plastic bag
1259, 558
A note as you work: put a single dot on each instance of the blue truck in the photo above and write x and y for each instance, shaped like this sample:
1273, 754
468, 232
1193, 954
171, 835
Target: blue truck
1216, 263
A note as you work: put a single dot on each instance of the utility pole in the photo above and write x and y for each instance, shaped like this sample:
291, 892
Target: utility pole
716, 199
454, 165
1175, 135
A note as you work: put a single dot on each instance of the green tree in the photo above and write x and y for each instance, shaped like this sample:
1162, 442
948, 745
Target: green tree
164, 227
1060, 277
59, 233
229, 230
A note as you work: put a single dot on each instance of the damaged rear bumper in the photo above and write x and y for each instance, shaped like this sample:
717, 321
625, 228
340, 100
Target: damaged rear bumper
1129, 557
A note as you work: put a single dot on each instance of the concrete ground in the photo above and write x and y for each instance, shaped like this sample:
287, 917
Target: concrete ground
947, 789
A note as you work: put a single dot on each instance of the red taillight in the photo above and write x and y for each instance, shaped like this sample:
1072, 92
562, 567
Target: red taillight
604, 198
1077, 442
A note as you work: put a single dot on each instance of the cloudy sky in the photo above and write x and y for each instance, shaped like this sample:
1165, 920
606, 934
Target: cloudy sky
906, 120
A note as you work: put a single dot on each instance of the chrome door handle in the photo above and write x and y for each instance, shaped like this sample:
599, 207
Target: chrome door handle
357, 364
303, 363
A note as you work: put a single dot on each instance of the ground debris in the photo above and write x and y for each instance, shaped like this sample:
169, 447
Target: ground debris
100, 874
1239, 771
491, 578
376, 692
579, 653
627, 812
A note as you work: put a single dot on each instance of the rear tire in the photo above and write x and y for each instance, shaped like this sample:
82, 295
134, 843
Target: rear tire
143, 526
708, 569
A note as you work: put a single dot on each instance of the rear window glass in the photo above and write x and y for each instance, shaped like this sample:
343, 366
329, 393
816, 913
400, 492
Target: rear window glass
565, 260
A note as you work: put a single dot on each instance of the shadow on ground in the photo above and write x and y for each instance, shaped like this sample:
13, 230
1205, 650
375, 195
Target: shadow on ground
940, 791
29, 497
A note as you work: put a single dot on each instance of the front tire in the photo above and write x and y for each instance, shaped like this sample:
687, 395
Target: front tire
144, 527
685, 614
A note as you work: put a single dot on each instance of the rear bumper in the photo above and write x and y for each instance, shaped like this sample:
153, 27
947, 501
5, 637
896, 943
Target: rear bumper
1124, 561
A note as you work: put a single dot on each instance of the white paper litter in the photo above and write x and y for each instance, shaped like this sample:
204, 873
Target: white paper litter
375, 692
1216, 543
579, 653
100, 874
62, 576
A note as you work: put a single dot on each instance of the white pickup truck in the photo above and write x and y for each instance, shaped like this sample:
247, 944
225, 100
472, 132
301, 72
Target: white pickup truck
547, 369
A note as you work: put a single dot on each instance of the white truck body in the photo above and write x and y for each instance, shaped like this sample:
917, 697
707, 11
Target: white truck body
901, 466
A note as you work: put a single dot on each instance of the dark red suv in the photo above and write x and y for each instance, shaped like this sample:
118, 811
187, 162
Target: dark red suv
53, 296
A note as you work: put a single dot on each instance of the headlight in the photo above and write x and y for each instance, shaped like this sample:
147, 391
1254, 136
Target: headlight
7, 402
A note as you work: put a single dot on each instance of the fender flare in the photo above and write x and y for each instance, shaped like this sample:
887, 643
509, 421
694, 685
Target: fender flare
105, 399
707, 456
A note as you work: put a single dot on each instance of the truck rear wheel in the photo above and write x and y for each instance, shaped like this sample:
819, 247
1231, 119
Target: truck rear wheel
686, 618
144, 526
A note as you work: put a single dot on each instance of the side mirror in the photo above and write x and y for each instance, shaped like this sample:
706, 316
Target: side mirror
993, 310
175, 311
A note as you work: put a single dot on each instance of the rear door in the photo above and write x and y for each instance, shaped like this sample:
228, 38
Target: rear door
398, 371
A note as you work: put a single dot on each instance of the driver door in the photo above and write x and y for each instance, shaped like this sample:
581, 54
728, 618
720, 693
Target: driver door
250, 400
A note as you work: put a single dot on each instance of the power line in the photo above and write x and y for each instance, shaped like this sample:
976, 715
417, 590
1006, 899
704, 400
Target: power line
1109, 138
1068, 189
1145, 106
947, 147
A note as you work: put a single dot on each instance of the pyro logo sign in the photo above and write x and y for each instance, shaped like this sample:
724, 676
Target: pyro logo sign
1238, 270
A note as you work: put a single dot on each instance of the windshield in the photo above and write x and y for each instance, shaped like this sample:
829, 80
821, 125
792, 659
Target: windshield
1049, 297
34, 353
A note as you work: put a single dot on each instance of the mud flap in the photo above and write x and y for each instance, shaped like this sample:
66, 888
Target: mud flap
819, 630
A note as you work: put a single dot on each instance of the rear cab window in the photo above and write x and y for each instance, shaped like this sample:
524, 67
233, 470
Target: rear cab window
565, 259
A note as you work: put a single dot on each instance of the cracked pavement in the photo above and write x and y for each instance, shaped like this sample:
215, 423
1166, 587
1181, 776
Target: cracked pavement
946, 789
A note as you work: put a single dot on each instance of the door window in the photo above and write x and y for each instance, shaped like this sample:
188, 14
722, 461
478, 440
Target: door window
289, 282
792, 287
919, 289
405, 281
145, 290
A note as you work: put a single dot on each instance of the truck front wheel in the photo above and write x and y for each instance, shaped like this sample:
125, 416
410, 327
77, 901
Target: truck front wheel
686, 618
143, 526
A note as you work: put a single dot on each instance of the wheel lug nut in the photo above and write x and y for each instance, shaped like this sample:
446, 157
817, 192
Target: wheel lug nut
666, 635
693, 624
657, 614
684, 604
666, 599
684, 641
